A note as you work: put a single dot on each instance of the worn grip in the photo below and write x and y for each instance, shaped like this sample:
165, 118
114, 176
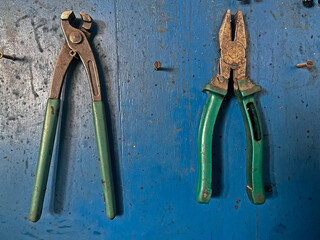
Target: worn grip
208, 119
104, 158
44, 158
254, 136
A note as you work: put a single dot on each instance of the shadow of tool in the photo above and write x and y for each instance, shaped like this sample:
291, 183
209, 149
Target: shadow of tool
165, 69
110, 112
62, 145
245, 2
217, 146
269, 186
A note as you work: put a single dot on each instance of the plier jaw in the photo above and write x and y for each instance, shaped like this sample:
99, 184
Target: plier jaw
232, 50
68, 17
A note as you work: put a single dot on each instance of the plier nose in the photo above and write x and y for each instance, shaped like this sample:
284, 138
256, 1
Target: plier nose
232, 49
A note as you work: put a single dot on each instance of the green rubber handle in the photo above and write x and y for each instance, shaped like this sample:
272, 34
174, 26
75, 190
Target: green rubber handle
104, 158
44, 158
254, 136
208, 119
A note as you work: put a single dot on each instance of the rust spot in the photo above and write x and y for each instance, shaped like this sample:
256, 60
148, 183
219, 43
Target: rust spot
205, 193
141, 188
130, 204
103, 182
260, 198
191, 169
52, 110
236, 207
238, 200
162, 30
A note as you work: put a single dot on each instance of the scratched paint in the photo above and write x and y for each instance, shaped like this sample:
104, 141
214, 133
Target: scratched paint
154, 117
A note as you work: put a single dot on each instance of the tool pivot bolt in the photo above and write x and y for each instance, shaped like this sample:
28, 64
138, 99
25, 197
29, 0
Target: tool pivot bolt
75, 37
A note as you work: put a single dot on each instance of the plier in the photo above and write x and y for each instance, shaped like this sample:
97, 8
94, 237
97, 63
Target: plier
232, 57
76, 45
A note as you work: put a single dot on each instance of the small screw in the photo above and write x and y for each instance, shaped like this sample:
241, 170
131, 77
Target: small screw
12, 57
157, 65
308, 64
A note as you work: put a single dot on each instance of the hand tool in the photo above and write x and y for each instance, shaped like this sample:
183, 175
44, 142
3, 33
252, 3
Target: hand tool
232, 57
75, 46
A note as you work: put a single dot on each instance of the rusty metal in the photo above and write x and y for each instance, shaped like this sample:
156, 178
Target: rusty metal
232, 52
157, 65
308, 64
11, 57
76, 45
75, 37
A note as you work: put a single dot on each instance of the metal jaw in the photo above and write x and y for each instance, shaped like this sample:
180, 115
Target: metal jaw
232, 52
76, 45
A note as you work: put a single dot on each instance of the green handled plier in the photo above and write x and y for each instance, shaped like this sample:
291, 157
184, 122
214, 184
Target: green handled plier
232, 58
75, 46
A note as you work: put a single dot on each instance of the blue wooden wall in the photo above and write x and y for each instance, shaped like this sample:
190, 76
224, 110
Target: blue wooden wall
154, 117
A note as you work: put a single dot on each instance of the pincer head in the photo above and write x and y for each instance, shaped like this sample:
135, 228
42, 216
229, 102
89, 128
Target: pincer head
87, 21
68, 15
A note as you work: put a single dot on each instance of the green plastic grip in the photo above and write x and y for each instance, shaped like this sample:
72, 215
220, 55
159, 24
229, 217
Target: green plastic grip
44, 158
254, 136
104, 158
208, 119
